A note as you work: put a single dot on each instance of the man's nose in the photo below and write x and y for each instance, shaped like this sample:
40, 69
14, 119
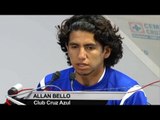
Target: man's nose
82, 53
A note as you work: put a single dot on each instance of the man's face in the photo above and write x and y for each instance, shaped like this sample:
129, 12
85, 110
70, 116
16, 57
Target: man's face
86, 55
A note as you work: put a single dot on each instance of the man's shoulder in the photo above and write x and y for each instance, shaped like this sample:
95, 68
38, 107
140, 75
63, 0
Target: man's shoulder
120, 79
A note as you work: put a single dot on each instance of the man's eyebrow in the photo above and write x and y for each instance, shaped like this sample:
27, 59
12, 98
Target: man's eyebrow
90, 44
72, 43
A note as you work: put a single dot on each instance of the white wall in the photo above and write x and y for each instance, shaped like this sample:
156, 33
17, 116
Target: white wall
29, 51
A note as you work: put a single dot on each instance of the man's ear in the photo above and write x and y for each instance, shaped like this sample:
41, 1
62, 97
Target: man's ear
107, 51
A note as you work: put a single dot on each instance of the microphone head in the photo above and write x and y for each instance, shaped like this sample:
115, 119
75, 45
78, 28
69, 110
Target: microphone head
72, 76
56, 75
15, 89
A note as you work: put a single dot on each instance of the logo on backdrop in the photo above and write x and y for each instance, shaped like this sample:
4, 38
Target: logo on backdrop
145, 30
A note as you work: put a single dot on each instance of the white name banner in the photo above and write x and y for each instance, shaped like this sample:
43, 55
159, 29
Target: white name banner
75, 95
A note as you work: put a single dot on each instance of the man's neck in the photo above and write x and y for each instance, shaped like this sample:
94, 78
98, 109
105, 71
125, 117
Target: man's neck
90, 79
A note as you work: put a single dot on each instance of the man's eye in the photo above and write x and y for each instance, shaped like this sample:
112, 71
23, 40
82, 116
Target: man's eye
90, 47
74, 46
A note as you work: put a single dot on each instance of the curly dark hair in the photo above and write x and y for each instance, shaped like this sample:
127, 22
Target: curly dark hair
103, 32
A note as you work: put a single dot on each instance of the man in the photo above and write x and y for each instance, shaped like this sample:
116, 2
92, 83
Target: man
92, 47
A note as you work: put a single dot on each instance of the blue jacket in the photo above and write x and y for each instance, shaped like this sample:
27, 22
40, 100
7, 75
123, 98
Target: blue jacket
112, 80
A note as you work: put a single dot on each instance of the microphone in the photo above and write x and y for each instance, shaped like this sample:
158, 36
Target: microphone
14, 100
72, 76
55, 76
14, 90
